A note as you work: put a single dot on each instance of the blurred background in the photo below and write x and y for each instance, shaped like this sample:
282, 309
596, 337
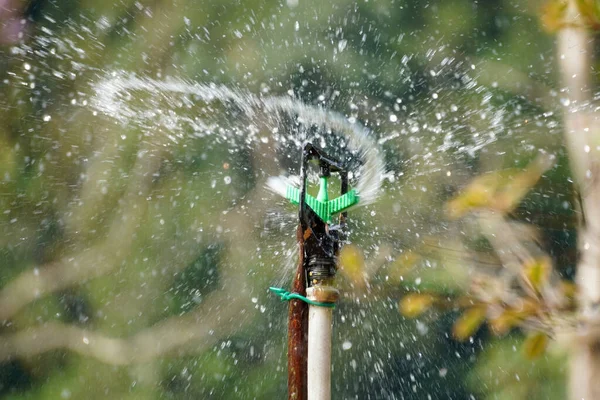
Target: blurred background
135, 264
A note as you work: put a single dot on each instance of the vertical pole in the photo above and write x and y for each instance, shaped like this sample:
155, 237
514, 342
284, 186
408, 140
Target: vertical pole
575, 45
320, 322
319, 353
297, 331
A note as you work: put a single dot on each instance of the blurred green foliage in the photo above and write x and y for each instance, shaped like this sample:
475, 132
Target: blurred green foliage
172, 250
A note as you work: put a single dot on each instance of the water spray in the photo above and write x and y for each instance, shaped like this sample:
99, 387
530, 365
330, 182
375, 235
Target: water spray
320, 239
322, 220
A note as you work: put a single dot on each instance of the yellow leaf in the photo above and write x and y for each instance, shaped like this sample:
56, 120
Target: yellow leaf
414, 304
469, 322
590, 12
568, 292
553, 15
512, 316
535, 345
536, 272
504, 322
501, 190
402, 265
527, 307
352, 265
478, 194
518, 185
408, 260
568, 289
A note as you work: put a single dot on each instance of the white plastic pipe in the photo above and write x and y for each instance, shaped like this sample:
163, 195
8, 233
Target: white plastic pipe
319, 353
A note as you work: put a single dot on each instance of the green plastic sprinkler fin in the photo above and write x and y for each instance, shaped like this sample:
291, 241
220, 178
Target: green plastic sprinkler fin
321, 205
324, 209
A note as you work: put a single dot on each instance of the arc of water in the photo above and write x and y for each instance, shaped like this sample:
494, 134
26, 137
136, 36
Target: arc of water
111, 99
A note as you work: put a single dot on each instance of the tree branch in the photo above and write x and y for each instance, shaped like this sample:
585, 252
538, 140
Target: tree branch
92, 262
219, 315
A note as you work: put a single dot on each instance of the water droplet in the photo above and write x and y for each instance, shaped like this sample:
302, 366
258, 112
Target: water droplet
347, 345
227, 180
393, 118
47, 118
422, 328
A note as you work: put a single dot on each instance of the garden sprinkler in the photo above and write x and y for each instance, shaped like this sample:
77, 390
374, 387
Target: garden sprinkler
309, 333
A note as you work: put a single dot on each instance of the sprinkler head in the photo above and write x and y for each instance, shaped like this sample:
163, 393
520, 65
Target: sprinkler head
321, 205
322, 238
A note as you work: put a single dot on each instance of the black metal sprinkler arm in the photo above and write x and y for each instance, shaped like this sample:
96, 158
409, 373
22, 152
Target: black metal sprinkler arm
322, 240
